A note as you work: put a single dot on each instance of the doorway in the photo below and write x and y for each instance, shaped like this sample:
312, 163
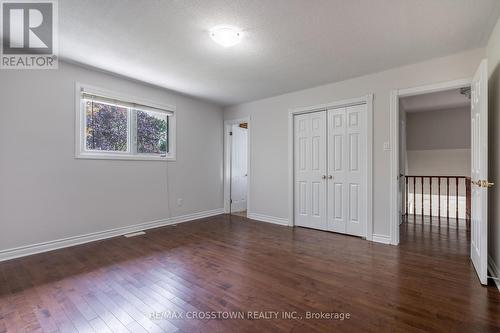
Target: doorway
237, 163
435, 169
475, 182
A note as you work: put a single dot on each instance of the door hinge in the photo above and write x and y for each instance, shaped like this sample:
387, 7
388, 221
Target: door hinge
230, 133
230, 200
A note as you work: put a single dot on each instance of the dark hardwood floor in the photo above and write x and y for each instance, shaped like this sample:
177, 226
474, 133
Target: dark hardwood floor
230, 263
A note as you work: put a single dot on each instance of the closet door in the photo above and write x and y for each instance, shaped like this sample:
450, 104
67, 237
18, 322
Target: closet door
347, 178
310, 170
337, 164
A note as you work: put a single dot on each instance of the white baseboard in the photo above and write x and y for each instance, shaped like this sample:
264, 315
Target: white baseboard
493, 268
268, 219
92, 237
381, 239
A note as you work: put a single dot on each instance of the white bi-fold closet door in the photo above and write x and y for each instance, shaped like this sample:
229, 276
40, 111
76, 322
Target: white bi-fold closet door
310, 170
330, 170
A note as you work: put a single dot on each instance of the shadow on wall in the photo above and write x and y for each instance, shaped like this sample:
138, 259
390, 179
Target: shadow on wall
493, 164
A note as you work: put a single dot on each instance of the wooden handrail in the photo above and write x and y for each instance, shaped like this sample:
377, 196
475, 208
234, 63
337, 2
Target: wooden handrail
419, 176
467, 183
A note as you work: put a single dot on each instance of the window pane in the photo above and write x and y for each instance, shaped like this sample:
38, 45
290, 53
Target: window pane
152, 135
106, 127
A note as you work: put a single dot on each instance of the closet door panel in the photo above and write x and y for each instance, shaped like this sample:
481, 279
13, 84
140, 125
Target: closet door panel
355, 176
337, 164
347, 170
309, 169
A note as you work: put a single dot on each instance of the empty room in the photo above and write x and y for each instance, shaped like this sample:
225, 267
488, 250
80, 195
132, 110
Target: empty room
249, 166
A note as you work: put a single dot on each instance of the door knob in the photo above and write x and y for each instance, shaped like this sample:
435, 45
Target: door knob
324, 177
330, 177
485, 183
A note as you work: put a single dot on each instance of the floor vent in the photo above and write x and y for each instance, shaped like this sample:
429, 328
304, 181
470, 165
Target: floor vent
135, 234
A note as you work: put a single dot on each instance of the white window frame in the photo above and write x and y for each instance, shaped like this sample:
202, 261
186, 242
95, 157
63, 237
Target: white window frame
80, 147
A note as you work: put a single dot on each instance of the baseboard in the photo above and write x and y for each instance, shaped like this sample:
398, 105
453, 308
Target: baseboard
95, 236
268, 219
381, 239
493, 268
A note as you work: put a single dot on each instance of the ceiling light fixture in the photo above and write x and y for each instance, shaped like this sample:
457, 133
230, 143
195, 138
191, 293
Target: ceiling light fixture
225, 35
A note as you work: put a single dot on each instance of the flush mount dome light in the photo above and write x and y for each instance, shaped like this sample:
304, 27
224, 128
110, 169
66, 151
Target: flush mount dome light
225, 35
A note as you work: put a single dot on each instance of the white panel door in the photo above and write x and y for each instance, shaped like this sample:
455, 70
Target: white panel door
402, 167
337, 164
479, 168
239, 171
347, 170
310, 170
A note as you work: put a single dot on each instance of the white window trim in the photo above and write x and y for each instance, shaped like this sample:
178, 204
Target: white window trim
81, 153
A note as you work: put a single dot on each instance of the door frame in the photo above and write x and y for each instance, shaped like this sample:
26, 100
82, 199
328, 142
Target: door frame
368, 100
396, 94
227, 162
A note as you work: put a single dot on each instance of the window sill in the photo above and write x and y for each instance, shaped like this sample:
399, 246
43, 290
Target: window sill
86, 156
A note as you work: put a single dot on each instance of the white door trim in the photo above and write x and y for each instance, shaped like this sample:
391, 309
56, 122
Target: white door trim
368, 100
396, 94
227, 162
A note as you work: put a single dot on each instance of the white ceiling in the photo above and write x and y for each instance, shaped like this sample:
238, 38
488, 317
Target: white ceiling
449, 99
288, 45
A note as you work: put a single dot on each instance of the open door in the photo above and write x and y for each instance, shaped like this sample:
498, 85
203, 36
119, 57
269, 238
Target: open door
479, 174
402, 166
239, 155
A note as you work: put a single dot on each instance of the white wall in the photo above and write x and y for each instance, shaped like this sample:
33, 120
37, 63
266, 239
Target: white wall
438, 142
46, 194
269, 123
438, 129
493, 55
439, 162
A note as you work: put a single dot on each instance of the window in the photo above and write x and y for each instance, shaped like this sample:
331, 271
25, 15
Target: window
114, 127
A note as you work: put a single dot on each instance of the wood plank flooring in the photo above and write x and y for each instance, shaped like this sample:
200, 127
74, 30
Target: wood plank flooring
232, 265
